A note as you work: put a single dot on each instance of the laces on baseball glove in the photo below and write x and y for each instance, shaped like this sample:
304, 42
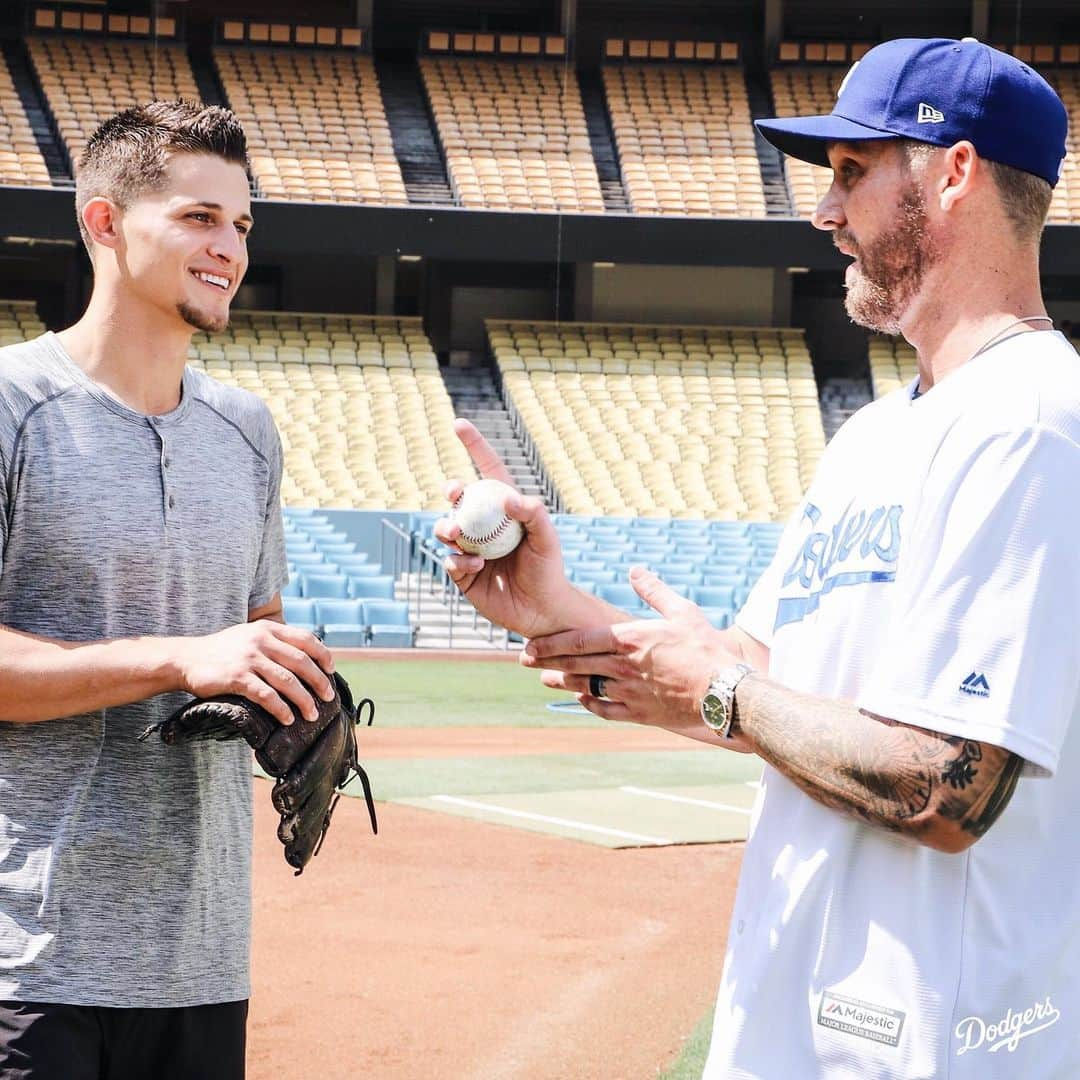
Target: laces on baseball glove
311, 760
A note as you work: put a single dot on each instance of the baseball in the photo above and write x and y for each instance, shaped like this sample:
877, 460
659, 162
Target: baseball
485, 528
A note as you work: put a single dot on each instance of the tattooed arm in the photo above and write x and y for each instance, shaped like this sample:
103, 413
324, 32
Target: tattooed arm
941, 790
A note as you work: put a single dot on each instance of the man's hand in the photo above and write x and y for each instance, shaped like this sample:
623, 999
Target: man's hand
655, 671
264, 661
527, 591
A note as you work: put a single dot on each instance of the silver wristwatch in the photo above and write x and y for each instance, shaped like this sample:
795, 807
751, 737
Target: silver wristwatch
718, 704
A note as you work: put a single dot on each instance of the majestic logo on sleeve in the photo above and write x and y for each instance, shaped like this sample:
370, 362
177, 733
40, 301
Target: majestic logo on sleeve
861, 548
975, 1033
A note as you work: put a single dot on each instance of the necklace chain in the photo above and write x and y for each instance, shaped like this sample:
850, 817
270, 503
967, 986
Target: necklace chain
1019, 322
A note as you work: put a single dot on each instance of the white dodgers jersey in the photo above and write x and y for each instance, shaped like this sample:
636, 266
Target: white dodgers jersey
932, 576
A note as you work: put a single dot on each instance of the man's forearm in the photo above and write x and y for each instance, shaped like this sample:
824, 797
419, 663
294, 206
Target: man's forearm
45, 679
941, 790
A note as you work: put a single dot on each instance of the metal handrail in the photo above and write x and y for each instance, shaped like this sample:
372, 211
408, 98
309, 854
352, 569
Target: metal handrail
411, 556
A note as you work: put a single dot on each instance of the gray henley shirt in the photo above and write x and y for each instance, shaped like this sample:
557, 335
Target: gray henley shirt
125, 867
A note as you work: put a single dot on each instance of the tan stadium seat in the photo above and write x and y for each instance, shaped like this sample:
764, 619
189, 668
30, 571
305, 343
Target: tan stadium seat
315, 122
513, 133
363, 412
88, 79
665, 421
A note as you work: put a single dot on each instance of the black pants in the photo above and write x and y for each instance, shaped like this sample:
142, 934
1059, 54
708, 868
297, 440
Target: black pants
82, 1042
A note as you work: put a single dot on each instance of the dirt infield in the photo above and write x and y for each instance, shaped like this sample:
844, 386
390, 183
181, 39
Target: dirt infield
449, 948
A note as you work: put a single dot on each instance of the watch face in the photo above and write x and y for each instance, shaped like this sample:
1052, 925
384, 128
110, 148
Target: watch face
713, 711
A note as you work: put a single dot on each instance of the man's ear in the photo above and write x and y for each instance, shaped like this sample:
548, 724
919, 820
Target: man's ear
101, 217
960, 166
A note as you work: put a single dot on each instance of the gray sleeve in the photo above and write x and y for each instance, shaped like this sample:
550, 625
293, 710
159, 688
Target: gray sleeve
272, 572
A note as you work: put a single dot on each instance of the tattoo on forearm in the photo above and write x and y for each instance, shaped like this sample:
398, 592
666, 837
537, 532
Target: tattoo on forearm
886, 773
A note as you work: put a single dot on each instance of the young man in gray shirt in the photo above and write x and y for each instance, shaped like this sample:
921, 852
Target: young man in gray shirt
141, 558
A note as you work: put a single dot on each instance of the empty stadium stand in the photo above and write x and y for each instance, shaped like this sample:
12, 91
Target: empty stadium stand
512, 130
19, 321
1065, 205
21, 160
893, 364
86, 79
315, 124
664, 421
798, 90
364, 416
335, 591
685, 139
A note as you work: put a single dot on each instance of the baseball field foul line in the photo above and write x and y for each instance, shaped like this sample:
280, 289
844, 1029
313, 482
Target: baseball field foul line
685, 799
566, 822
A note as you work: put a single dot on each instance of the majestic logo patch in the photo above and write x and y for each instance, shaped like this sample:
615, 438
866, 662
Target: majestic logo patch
929, 115
976, 685
855, 1017
974, 1032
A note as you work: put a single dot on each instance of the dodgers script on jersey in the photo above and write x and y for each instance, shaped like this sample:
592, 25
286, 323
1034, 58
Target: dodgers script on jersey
932, 576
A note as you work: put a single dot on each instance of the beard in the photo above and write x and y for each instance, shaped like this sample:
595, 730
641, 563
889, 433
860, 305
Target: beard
891, 268
208, 324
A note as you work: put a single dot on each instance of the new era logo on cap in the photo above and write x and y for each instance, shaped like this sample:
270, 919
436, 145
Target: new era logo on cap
929, 115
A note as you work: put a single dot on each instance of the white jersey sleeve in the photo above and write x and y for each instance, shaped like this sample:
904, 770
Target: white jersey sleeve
984, 641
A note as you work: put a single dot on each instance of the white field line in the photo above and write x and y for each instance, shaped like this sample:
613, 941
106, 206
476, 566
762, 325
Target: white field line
686, 799
566, 822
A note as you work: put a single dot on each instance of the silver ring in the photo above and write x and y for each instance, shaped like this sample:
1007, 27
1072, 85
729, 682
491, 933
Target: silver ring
596, 685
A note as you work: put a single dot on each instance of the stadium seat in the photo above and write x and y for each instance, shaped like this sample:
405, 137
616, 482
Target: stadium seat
372, 588
342, 623
326, 586
300, 613
621, 596
388, 624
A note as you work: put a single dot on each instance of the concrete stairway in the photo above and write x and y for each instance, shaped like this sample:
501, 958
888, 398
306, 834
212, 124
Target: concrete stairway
476, 397
411, 128
442, 627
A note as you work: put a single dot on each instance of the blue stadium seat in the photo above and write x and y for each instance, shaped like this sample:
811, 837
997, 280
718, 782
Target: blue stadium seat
293, 587
388, 624
622, 596
716, 596
326, 586
361, 569
298, 545
312, 560
350, 564
342, 623
597, 577
372, 588
679, 566
682, 578
733, 576
337, 547
299, 612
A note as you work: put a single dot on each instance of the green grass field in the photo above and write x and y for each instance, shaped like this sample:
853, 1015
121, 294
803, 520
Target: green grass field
457, 693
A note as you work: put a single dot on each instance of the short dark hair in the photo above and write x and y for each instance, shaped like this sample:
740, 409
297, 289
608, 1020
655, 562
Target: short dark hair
129, 153
1024, 196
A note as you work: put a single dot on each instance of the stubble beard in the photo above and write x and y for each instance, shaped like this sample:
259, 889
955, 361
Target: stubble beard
208, 324
892, 267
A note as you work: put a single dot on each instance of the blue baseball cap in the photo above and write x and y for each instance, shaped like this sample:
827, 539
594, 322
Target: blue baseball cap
938, 91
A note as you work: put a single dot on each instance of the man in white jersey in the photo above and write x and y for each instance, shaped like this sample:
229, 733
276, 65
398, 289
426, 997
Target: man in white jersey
141, 557
909, 666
